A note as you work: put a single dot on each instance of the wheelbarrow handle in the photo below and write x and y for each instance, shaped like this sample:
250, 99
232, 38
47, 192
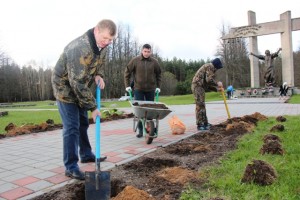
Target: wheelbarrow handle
156, 96
130, 94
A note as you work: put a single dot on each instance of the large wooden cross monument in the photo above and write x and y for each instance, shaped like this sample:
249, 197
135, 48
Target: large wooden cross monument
284, 26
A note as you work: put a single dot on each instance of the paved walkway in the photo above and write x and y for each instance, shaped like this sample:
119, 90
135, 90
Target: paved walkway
32, 164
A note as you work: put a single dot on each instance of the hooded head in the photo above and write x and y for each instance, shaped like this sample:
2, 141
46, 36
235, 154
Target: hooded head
217, 63
267, 52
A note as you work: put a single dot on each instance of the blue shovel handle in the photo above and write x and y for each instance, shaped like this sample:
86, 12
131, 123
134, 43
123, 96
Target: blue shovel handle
98, 97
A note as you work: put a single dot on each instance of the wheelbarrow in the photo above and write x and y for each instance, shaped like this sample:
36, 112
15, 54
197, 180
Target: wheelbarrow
149, 115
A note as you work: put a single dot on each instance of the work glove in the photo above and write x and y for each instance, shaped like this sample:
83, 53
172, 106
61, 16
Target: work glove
157, 90
128, 89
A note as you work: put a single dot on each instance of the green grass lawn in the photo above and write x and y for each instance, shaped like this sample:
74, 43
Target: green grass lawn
36, 116
295, 99
225, 178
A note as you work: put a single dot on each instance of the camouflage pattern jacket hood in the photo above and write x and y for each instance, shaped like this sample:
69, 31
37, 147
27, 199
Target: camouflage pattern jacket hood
205, 77
76, 69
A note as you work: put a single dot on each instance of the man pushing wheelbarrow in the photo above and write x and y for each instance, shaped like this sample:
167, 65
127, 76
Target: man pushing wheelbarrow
146, 74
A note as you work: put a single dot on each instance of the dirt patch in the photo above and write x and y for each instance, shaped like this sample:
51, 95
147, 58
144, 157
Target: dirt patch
151, 105
280, 119
13, 130
260, 173
132, 193
166, 172
272, 147
277, 127
271, 137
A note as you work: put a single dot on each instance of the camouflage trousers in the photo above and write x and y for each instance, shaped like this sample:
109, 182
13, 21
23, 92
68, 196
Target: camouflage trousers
199, 95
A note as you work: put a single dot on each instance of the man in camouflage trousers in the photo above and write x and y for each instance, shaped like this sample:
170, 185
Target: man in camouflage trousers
79, 66
204, 80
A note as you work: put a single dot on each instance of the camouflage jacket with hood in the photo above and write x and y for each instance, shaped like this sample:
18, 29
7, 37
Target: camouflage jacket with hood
76, 69
205, 77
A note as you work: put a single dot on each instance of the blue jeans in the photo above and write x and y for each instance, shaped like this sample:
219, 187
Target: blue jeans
143, 96
75, 124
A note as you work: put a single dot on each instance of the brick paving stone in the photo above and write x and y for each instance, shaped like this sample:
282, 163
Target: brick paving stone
7, 186
59, 178
25, 181
114, 159
16, 193
39, 185
14, 177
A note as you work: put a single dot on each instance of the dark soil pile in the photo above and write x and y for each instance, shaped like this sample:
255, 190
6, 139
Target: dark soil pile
13, 130
280, 119
272, 147
271, 137
166, 172
151, 105
277, 127
260, 173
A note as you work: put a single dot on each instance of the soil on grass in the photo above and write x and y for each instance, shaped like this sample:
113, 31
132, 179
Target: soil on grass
260, 173
272, 147
277, 127
164, 173
13, 130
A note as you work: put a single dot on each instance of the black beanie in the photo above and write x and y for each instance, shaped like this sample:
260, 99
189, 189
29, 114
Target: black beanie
217, 63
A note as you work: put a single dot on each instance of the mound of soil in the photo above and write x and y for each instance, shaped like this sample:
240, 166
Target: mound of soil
13, 130
163, 174
277, 127
271, 137
151, 105
260, 173
280, 119
272, 147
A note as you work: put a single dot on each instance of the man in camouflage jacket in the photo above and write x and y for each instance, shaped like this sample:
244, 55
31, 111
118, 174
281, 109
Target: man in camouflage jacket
204, 80
80, 64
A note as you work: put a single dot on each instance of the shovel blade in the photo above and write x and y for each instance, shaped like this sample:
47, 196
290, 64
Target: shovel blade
97, 185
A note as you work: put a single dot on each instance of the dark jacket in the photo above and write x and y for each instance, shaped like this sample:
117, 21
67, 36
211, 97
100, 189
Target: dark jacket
205, 78
146, 73
76, 69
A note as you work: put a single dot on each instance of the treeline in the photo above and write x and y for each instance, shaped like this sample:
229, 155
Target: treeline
33, 83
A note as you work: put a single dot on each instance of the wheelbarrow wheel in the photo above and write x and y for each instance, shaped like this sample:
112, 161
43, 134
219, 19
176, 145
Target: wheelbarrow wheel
150, 130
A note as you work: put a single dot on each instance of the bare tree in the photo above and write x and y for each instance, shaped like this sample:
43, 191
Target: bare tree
236, 62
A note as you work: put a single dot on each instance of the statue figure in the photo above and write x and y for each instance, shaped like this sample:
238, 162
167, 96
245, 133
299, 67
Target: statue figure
268, 58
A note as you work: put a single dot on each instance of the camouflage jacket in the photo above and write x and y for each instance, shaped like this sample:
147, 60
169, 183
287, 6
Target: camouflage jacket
205, 77
76, 69
146, 73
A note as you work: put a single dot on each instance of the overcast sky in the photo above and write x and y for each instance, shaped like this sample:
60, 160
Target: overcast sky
188, 29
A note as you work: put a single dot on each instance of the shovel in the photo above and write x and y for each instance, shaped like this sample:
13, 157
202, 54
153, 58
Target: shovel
224, 98
97, 184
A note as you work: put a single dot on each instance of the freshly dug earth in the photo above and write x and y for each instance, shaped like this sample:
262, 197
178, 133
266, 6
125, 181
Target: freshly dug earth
13, 130
151, 105
259, 172
166, 172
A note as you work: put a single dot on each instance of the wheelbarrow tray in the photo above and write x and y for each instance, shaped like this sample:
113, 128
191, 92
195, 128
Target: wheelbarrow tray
148, 112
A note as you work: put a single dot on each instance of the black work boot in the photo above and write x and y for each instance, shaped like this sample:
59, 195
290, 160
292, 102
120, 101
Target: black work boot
140, 129
140, 134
